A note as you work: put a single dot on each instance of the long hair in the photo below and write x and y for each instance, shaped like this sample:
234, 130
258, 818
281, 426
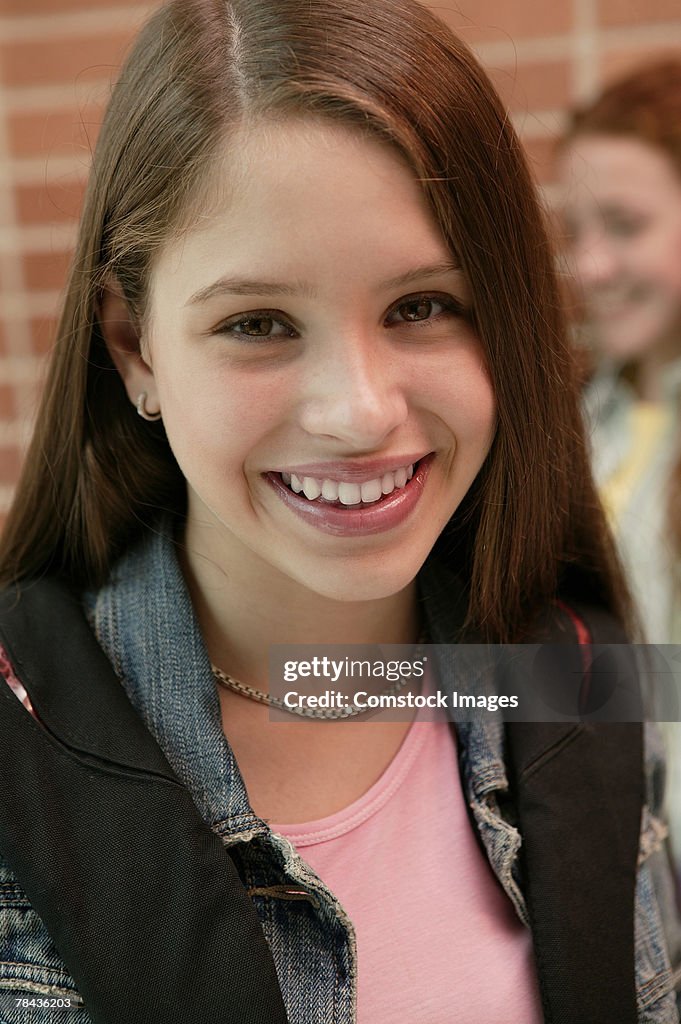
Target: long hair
96, 476
646, 105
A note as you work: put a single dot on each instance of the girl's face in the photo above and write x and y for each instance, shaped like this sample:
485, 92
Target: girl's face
320, 383
623, 216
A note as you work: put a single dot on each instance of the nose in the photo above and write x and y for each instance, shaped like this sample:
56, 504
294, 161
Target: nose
355, 394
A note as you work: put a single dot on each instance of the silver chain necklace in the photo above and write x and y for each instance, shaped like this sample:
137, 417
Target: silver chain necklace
246, 690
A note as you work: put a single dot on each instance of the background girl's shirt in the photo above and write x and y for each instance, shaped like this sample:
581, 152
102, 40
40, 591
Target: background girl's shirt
634, 450
635, 447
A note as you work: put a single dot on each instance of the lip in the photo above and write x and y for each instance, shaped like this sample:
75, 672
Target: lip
385, 514
353, 472
602, 306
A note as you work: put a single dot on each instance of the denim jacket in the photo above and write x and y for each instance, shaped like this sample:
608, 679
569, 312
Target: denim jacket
311, 937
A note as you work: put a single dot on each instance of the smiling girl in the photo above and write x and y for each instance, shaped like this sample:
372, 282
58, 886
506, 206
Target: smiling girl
620, 167
621, 171
311, 386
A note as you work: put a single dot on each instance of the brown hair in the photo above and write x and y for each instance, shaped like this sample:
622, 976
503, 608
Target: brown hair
96, 474
645, 104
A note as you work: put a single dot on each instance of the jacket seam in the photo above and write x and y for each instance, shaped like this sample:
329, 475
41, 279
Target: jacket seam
550, 752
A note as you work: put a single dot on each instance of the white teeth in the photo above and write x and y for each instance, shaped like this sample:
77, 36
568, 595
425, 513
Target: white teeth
388, 483
349, 494
330, 490
311, 488
371, 491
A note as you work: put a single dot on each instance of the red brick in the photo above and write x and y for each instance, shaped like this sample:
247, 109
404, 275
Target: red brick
8, 405
56, 201
486, 20
43, 332
51, 61
10, 464
633, 12
17, 8
53, 132
541, 157
534, 86
46, 270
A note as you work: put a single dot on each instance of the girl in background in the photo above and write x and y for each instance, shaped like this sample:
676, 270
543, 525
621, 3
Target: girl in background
621, 169
620, 165
311, 385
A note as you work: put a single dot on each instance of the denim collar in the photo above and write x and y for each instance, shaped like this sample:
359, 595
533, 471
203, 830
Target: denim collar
480, 737
144, 620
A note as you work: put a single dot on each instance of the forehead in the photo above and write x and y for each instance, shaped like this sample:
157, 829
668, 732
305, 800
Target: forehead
303, 197
618, 169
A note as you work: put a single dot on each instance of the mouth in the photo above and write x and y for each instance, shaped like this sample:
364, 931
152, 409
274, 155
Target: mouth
354, 507
620, 303
347, 494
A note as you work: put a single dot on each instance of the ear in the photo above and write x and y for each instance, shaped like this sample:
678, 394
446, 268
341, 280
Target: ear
123, 341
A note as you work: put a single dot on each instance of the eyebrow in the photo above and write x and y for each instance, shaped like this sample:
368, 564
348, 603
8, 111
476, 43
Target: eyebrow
248, 286
449, 266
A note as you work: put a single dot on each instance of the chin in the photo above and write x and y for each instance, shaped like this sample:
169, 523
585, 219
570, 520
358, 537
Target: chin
638, 341
347, 587
625, 350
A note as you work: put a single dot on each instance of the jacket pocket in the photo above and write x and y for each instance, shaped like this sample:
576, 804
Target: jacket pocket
30, 967
654, 943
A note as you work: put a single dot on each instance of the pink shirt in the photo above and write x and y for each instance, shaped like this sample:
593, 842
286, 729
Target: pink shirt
437, 938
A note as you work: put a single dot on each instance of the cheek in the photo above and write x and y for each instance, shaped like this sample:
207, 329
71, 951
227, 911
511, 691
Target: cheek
660, 260
217, 422
473, 406
670, 278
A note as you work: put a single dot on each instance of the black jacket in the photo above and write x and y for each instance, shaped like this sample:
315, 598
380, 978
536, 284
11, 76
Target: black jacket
132, 883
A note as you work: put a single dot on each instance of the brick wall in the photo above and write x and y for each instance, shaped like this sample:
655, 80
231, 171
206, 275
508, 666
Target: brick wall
57, 60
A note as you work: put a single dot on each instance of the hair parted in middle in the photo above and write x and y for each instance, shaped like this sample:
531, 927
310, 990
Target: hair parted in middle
201, 70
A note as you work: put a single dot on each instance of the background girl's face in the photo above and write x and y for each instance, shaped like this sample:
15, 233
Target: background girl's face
622, 210
311, 330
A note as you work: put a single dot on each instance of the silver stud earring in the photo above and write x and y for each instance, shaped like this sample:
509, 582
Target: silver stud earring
142, 409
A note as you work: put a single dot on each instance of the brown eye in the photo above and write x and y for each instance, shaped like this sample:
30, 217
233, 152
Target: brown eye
426, 310
418, 309
257, 326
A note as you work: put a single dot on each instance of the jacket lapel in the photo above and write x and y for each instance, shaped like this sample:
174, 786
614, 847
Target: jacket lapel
141, 898
578, 795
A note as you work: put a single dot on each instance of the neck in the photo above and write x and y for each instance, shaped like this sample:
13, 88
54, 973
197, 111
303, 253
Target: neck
648, 381
649, 373
243, 608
